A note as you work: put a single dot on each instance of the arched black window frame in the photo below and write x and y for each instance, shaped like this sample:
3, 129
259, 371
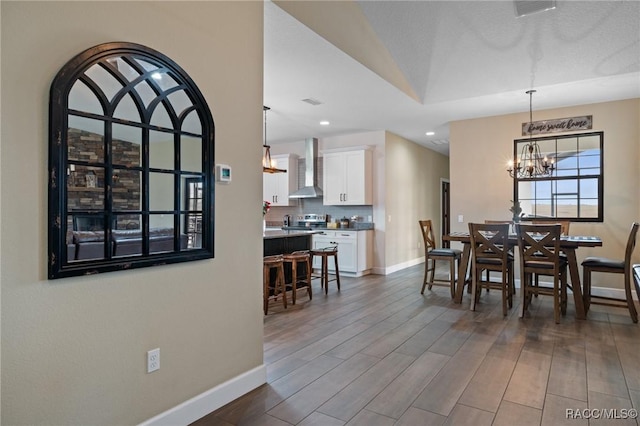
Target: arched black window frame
58, 264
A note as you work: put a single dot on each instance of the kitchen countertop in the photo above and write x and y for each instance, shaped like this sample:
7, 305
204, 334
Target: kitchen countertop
361, 227
286, 233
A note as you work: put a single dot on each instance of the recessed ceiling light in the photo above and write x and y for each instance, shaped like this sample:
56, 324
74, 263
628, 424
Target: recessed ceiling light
430, 133
529, 7
324, 123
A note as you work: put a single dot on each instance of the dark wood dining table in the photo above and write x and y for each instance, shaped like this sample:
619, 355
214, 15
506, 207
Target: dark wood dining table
569, 244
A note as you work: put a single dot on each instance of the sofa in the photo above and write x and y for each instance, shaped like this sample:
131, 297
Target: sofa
84, 245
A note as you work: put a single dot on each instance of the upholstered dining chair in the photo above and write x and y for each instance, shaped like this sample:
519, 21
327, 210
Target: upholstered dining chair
564, 230
492, 221
433, 254
539, 248
601, 264
490, 252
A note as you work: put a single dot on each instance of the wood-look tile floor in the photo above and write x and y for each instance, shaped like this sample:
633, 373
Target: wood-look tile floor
379, 353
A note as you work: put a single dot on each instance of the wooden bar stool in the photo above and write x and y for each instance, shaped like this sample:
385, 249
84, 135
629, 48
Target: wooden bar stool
268, 263
324, 254
304, 281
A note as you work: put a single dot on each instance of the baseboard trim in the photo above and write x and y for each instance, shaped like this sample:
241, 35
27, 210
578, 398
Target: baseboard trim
208, 401
617, 293
398, 267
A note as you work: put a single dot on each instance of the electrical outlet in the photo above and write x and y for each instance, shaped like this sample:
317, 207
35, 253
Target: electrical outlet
153, 360
460, 218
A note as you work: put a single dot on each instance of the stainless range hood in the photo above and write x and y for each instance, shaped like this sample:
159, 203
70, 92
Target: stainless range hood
310, 189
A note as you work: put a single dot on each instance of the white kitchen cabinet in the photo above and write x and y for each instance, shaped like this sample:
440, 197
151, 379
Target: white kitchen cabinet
347, 177
355, 251
276, 187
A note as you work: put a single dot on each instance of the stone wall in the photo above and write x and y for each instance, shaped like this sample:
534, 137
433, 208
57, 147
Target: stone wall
85, 193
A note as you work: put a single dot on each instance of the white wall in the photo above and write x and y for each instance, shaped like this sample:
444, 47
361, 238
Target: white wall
481, 188
74, 350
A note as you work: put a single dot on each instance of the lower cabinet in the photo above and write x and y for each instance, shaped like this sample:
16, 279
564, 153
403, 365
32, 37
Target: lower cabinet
354, 251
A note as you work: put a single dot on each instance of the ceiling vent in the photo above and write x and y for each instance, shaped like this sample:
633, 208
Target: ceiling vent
312, 101
529, 7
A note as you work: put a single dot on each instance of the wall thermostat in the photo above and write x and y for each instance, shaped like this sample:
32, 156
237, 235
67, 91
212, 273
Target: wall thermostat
223, 173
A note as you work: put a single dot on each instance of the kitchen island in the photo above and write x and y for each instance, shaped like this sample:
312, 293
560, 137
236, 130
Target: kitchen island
286, 241
280, 241
355, 245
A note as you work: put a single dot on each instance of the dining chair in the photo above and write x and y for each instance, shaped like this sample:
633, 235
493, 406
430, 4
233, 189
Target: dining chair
564, 224
490, 252
601, 264
433, 254
539, 248
564, 230
490, 221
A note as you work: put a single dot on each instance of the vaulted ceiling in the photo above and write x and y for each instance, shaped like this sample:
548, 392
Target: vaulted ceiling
414, 66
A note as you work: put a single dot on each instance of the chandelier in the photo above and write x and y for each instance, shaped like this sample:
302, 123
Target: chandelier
268, 165
532, 163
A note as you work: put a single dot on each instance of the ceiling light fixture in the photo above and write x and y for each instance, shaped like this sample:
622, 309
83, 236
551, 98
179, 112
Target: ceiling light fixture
430, 133
531, 163
324, 123
268, 165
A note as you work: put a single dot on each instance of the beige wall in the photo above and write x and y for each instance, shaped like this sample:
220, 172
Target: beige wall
74, 350
481, 188
412, 182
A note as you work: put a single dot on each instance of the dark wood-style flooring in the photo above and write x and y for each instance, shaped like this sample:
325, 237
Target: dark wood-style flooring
379, 353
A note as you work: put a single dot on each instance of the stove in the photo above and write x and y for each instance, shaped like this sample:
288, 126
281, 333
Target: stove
309, 220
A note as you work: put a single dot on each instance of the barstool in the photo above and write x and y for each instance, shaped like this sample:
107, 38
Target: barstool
268, 263
324, 254
296, 258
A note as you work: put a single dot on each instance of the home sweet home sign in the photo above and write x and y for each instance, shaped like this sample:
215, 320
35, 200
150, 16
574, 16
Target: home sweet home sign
558, 125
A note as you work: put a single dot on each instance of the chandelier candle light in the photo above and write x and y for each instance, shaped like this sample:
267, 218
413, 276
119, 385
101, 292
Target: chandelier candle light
531, 164
268, 166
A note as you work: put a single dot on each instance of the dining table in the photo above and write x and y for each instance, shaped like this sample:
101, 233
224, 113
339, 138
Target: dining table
568, 244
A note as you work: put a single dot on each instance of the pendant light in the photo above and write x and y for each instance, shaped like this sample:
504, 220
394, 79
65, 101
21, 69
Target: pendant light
532, 164
268, 166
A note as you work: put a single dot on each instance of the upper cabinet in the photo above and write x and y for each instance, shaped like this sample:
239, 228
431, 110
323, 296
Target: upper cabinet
347, 177
276, 187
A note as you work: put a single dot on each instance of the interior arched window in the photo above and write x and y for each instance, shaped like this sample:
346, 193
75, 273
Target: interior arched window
131, 155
